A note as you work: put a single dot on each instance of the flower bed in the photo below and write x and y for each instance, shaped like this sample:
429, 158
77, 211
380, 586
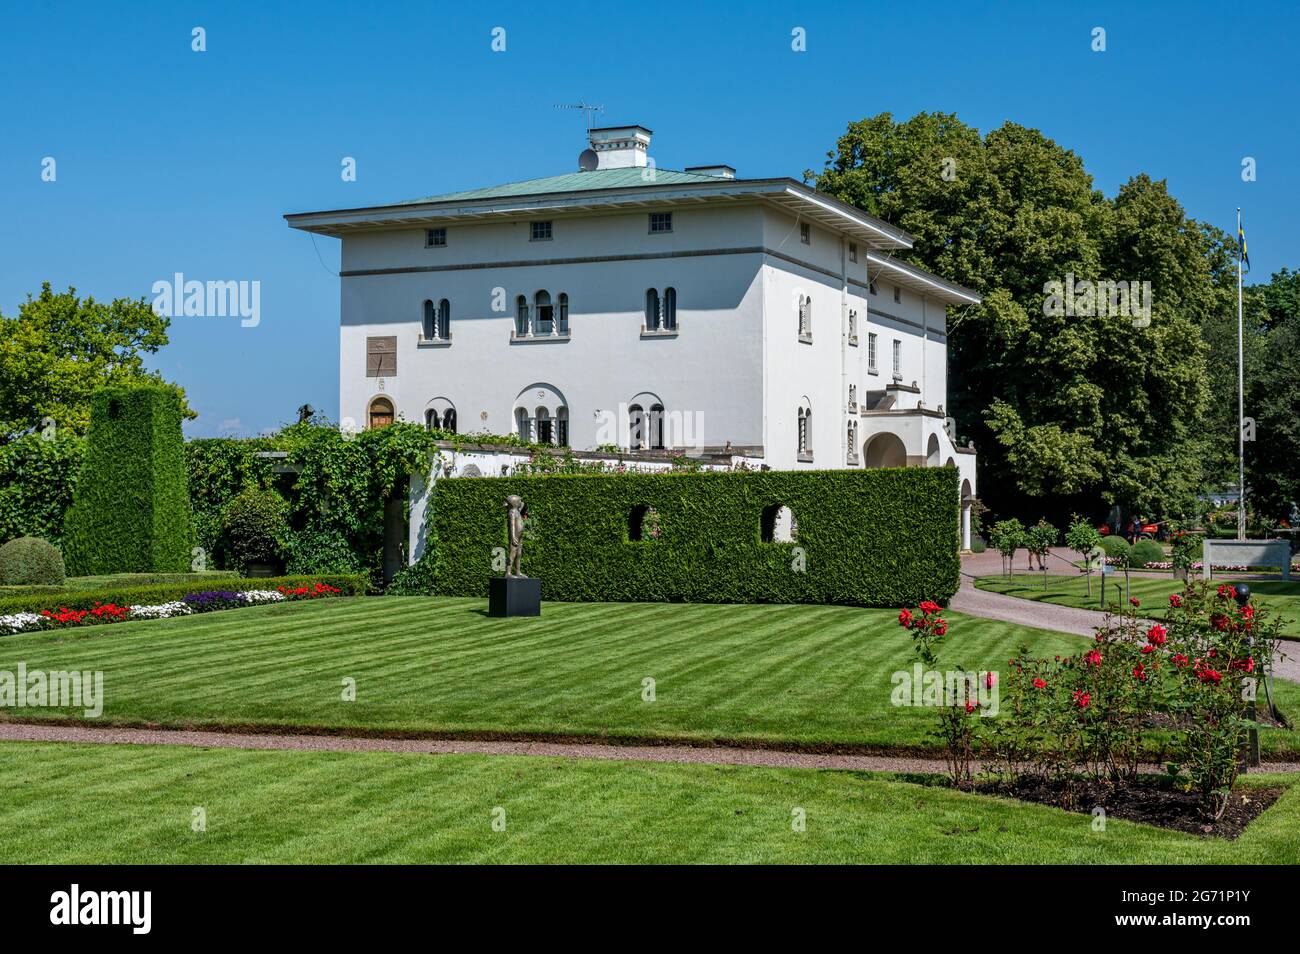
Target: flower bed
202, 602
1197, 566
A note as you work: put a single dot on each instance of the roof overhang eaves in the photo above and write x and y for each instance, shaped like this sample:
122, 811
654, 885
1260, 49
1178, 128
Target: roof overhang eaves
923, 282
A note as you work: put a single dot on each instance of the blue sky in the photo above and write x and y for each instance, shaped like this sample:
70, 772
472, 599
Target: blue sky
174, 161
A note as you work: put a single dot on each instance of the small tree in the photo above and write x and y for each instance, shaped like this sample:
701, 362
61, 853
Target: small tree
1039, 540
1007, 536
1084, 539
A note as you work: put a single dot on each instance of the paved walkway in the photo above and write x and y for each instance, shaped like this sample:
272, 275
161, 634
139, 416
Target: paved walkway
1060, 619
682, 754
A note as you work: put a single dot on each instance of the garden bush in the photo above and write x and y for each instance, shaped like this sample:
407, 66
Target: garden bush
131, 508
29, 561
351, 584
876, 538
319, 549
1115, 546
37, 474
1144, 552
254, 528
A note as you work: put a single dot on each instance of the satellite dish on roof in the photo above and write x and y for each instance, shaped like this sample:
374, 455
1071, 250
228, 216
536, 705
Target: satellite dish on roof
588, 161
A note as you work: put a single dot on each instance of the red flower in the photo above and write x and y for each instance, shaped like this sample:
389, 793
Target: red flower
1140, 672
1180, 660
989, 680
929, 606
1039, 684
1219, 622
1135, 601
940, 627
970, 706
1081, 698
1156, 635
1092, 657
905, 618
1210, 675
1148, 649
1175, 600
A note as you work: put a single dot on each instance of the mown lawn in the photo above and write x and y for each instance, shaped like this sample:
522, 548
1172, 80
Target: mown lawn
793, 675
102, 804
1153, 593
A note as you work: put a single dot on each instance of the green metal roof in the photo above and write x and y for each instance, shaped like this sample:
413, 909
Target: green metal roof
574, 182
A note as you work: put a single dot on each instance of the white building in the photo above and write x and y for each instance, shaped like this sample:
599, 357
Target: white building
629, 305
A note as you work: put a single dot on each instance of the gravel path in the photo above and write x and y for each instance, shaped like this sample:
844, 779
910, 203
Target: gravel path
682, 754
709, 755
1060, 619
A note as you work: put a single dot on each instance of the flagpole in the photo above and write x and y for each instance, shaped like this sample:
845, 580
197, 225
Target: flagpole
1241, 401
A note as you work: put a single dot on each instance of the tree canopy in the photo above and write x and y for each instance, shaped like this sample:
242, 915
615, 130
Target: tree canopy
60, 348
1078, 408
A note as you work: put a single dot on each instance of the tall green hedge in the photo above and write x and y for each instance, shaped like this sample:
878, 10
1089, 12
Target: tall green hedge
873, 538
37, 473
131, 509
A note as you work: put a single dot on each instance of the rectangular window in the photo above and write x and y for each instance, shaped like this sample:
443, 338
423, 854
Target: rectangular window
872, 288
661, 221
541, 231
871, 351
435, 238
853, 251
805, 234
898, 357
381, 356
853, 324
898, 294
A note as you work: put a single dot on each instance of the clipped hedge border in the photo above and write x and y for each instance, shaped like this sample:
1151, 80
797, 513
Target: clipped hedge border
352, 584
881, 537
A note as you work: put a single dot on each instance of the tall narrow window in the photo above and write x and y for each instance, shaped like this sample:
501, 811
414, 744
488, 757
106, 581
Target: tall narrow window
853, 325
871, 351
521, 316
805, 317
651, 310
562, 426
444, 319
805, 234
636, 427
670, 309
545, 315
449, 420
656, 426
898, 294
429, 328
853, 397
523, 425
431, 419
898, 358
544, 432
805, 428
562, 317
853, 251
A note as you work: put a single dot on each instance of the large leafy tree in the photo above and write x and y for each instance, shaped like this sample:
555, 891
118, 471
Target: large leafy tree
1068, 411
60, 348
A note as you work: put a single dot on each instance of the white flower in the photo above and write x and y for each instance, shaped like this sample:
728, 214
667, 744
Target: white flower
253, 597
162, 610
19, 622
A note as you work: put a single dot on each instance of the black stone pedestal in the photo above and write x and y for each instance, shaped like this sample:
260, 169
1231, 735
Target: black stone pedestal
514, 596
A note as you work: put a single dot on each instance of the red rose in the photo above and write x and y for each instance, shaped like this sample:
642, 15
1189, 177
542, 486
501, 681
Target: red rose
1175, 600
1156, 635
940, 627
1140, 672
970, 706
1180, 660
1135, 601
1092, 658
1039, 684
1081, 698
905, 618
929, 606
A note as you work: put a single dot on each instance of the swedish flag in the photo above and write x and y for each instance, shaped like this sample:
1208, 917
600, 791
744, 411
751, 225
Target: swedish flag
1241, 248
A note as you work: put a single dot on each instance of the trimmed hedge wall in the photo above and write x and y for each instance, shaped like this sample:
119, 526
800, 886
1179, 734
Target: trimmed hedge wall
352, 584
885, 537
131, 510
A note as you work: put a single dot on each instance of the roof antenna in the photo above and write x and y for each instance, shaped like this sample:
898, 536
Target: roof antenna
585, 106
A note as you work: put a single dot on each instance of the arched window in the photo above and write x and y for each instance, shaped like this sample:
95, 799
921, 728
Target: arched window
651, 310
562, 318
545, 315
429, 328
544, 433
523, 425
521, 316
805, 431
670, 309
562, 426
805, 316
381, 412
778, 525
853, 396
655, 426
449, 420
853, 440
431, 419
444, 319
636, 427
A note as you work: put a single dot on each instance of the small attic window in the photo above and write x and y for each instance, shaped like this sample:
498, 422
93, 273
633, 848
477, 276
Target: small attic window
661, 222
805, 234
435, 238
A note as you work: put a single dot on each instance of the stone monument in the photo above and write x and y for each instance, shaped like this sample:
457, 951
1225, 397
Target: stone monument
515, 594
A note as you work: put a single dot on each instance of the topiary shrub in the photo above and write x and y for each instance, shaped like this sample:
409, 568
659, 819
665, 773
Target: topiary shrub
131, 509
1144, 552
1114, 546
254, 528
28, 561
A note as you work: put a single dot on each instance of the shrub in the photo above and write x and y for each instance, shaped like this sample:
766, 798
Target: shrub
1006, 537
318, 549
131, 510
1144, 552
254, 528
28, 561
1115, 546
884, 537
37, 474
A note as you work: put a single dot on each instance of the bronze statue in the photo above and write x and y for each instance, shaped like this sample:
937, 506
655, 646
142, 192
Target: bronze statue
515, 522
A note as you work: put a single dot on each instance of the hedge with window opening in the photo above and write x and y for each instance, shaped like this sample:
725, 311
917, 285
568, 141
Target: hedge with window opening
885, 537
